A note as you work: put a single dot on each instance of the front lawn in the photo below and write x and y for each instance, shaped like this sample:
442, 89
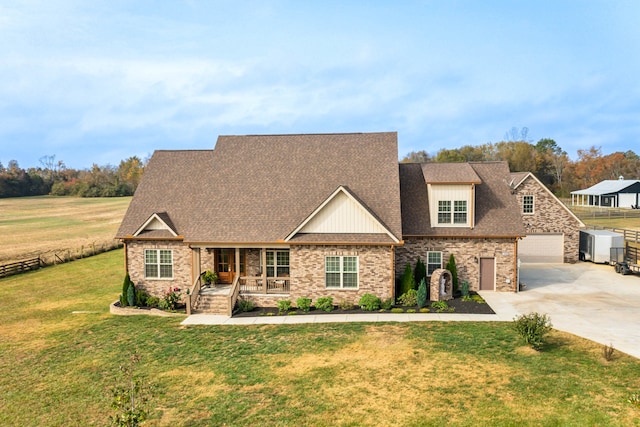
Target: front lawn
61, 350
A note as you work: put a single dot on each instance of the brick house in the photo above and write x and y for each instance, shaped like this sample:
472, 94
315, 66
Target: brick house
289, 216
553, 231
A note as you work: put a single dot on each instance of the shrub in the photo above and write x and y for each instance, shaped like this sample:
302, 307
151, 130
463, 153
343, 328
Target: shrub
407, 282
477, 298
409, 298
345, 305
465, 289
369, 302
422, 293
325, 304
245, 305
411, 310
284, 305
304, 304
153, 302
125, 289
141, 298
131, 395
532, 328
424, 310
171, 299
451, 266
386, 304
397, 310
420, 272
440, 306
131, 294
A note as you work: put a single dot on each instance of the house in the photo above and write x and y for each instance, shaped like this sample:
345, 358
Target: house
277, 216
620, 193
290, 216
464, 209
553, 231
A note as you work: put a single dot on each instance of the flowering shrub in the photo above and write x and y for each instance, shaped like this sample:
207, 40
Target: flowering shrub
171, 298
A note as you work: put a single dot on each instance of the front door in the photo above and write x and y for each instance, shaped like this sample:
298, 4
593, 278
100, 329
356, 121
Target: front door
224, 265
487, 274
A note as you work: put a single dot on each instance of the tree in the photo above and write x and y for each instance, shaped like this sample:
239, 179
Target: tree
420, 271
416, 157
131, 396
408, 281
451, 266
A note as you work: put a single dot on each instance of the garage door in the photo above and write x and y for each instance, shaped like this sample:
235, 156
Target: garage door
542, 248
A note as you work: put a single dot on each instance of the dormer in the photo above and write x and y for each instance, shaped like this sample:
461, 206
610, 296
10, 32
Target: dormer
159, 224
451, 194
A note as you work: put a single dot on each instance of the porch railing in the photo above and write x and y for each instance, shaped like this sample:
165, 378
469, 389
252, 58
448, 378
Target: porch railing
233, 295
264, 285
192, 296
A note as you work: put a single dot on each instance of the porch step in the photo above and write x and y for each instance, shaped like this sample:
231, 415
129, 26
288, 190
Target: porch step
212, 304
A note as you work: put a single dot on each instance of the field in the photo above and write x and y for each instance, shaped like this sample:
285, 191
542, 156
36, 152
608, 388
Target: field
33, 226
61, 350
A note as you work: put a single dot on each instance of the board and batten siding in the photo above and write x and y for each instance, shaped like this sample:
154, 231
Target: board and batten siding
343, 215
451, 192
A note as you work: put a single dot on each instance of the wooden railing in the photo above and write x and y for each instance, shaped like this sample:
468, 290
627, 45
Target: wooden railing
233, 295
192, 296
256, 284
20, 267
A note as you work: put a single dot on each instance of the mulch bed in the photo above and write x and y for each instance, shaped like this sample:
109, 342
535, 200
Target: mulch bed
460, 306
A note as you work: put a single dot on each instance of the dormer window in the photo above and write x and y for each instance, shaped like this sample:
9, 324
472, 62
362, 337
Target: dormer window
459, 212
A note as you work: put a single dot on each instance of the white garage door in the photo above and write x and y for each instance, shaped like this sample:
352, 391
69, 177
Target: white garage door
542, 248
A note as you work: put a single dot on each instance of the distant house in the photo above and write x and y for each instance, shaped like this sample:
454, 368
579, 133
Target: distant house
553, 231
290, 216
620, 193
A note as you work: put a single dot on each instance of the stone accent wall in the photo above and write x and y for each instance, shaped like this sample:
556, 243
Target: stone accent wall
467, 253
158, 287
549, 217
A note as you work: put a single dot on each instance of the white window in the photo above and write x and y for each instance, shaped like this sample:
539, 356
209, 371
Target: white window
527, 204
277, 263
434, 261
444, 212
158, 263
459, 212
341, 272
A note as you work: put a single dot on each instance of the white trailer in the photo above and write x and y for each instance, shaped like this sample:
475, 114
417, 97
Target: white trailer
596, 245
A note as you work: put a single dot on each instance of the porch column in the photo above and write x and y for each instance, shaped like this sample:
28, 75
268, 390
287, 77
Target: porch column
263, 256
237, 264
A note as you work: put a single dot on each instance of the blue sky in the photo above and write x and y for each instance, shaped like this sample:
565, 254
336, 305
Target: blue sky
100, 81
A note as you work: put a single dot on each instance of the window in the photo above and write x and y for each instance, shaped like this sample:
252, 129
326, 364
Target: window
434, 261
460, 212
527, 204
158, 263
277, 263
341, 272
444, 212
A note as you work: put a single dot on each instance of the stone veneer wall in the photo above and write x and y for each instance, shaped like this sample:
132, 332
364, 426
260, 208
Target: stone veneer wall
465, 252
549, 217
158, 287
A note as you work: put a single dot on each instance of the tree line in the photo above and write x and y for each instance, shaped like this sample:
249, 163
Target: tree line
546, 160
53, 177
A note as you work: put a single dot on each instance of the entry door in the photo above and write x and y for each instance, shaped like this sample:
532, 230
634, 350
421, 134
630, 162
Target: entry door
224, 265
487, 274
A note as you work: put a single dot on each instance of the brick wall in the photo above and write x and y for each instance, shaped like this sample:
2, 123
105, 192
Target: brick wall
467, 253
549, 216
158, 287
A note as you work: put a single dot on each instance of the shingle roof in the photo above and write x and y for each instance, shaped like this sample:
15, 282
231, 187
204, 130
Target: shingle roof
449, 173
517, 178
497, 213
608, 186
259, 188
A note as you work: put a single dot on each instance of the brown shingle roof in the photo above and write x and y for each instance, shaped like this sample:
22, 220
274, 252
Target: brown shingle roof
259, 188
449, 173
497, 212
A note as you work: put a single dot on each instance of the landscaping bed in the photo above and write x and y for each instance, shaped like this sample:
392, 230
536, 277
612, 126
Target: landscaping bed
456, 305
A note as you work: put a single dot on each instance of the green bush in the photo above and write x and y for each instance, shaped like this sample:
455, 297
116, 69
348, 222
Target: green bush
409, 298
125, 290
304, 304
408, 281
397, 310
465, 288
141, 298
131, 294
424, 310
420, 272
422, 293
411, 310
245, 305
369, 302
441, 306
153, 302
532, 328
451, 266
209, 277
386, 304
324, 304
284, 305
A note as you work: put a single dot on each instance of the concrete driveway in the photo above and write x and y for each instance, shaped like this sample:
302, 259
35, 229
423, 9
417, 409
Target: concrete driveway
585, 299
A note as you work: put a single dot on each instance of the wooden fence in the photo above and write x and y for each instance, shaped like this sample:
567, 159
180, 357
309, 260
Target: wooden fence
55, 257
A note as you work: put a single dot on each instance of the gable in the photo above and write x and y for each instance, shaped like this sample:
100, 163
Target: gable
159, 224
342, 213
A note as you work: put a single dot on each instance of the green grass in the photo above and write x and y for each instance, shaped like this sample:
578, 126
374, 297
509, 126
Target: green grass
32, 226
56, 367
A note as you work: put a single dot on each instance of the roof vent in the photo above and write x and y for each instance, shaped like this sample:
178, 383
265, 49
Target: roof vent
621, 178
